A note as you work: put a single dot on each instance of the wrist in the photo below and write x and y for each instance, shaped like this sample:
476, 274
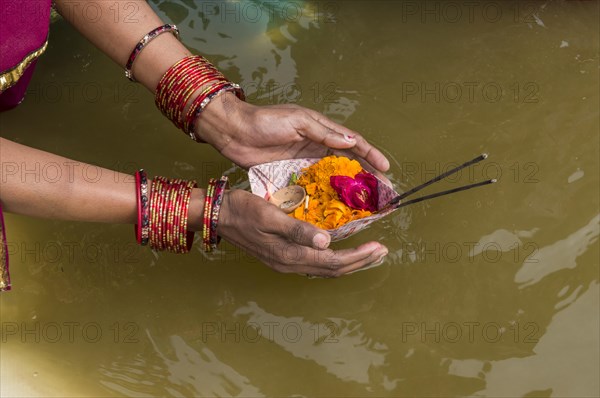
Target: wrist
223, 120
225, 215
196, 209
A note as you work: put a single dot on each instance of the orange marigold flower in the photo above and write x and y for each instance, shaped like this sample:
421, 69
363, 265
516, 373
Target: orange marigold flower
325, 210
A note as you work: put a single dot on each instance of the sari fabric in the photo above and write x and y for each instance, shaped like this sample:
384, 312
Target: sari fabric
23, 38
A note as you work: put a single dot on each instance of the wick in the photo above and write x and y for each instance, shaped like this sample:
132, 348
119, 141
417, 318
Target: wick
306, 206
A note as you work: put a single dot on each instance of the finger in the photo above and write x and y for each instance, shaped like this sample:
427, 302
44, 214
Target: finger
352, 269
370, 154
299, 232
362, 147
334, 260
373, 257
315, 131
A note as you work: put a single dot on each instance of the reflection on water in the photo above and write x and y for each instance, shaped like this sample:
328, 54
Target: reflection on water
339, 346
571, 336
492, 292
183, 372
559, 255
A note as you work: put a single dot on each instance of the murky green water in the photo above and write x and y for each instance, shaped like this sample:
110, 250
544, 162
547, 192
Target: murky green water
492, 292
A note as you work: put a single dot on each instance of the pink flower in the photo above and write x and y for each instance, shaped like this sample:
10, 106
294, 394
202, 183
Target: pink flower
359, 193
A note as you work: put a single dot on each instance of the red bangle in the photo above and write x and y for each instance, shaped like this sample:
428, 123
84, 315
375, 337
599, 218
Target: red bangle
138, 225
206, 216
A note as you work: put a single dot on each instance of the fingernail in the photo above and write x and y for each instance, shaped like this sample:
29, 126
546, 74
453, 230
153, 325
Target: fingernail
380, 255
349, 137
320, 241
380, 258
386, 165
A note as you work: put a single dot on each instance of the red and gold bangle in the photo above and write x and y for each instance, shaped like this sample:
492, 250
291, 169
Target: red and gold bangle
200, 81
178, 71
167, 80
153, 211
184, 90
179, 91
206, 215
169, 204
216, 208
170, 229
158, 202
176, 93
182, 238
186, 237
144, 42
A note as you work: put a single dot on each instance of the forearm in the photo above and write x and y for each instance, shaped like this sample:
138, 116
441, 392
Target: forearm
117, 35
41, 184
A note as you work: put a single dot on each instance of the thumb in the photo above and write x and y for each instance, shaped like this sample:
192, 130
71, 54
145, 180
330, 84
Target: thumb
300, 232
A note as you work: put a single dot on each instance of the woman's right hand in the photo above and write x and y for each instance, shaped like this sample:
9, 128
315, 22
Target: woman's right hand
286, 244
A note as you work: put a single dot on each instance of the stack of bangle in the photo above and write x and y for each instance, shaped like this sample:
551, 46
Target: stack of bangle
168, 214
190, 75
162, 213
212, 207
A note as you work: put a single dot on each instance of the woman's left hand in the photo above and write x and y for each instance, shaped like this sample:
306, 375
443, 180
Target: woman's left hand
250, 135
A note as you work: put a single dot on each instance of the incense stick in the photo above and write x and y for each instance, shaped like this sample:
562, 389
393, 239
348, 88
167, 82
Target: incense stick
435, 195
440, 177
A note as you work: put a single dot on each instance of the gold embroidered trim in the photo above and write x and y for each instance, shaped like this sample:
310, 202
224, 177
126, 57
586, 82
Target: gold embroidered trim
4, 277
12, 76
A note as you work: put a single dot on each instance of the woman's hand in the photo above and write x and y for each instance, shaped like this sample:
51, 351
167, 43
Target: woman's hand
286, 244
250, 135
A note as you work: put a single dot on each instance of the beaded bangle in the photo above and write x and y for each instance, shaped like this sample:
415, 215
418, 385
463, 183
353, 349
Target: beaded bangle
216, 207
144, 42
145, 207
143, 211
